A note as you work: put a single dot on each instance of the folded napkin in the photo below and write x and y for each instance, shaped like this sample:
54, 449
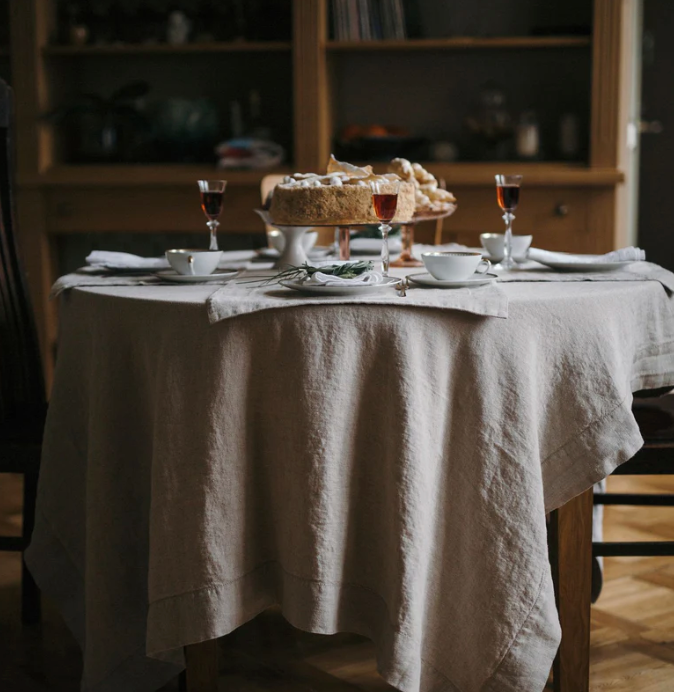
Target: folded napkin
639, 271
626, 254
366, 278
239, 298
88, 278
124, 260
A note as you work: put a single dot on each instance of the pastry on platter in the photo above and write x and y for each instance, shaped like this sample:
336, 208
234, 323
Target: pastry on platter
429, 198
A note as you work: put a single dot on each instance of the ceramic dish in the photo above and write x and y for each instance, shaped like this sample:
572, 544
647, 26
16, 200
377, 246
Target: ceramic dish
586, 266
341, 290
426, 279
173, 276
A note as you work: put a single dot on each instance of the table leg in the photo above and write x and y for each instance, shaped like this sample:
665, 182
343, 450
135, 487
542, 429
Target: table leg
202, 666
571, 543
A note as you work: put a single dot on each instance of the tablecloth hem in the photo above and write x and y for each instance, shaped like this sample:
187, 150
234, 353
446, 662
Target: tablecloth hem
327, 608
58, 578
609, 441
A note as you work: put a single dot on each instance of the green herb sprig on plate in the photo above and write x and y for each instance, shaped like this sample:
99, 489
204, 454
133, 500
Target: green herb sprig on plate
349, 270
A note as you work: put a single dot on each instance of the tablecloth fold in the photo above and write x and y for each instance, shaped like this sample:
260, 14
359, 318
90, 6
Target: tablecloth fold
237, 298
638, 271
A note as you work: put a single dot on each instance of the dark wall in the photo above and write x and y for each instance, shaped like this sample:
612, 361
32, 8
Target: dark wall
656, 221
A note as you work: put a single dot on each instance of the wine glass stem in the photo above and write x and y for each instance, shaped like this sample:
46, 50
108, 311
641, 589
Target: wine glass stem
385, 258
213, 227
508, 246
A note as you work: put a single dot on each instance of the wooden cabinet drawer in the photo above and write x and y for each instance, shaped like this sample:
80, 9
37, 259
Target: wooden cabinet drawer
147, 209
556, 217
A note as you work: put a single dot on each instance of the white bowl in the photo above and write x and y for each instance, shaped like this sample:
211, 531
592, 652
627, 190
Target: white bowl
194, 262
454, 266
494, 244
278, 241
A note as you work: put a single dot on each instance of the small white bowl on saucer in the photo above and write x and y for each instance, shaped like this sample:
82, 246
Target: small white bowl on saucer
455, 266
494, 244
194, 262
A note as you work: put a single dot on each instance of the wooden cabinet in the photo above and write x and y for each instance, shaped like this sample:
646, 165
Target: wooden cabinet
316, 85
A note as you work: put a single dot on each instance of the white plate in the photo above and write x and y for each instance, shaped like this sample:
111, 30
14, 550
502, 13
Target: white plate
586, 266
343, 290
426, 279
173, 276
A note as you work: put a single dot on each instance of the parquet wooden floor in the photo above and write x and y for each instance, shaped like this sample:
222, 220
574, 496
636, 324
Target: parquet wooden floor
632, 626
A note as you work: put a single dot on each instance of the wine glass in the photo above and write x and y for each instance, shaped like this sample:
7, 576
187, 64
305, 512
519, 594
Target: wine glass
211, 203
385, 201
508, 195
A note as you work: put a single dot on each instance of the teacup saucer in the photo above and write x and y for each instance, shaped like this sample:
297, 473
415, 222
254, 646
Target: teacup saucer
173, 276
426, 279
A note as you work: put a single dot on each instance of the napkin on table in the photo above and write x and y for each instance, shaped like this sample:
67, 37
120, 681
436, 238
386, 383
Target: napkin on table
366, 278
627, 254
105, 259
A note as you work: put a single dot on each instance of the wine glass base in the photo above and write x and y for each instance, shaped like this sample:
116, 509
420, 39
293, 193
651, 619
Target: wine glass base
406, 262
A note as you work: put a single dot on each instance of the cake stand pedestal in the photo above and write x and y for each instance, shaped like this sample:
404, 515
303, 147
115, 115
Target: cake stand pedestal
294, 254
406, 259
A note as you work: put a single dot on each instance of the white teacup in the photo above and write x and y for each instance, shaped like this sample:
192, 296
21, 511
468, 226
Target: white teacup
194, 262
494, 244
278, 242
455, 266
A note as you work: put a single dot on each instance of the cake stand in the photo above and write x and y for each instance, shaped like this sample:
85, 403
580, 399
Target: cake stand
407, 236
293, 254
293, 251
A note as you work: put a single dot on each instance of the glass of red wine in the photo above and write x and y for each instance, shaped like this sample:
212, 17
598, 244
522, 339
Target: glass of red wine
508, 195
212, 192
385, 202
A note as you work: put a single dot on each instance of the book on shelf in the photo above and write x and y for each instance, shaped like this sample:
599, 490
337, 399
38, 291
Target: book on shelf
370, 20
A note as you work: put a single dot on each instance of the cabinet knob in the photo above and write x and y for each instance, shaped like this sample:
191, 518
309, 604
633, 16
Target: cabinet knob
562, 209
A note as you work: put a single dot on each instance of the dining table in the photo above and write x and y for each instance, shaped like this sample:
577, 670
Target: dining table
383, 467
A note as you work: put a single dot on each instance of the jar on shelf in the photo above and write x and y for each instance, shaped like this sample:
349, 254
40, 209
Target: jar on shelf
528, 138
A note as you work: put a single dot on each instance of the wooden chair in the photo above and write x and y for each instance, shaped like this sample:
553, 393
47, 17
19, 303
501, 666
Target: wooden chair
573, 554
22, 391
655, 415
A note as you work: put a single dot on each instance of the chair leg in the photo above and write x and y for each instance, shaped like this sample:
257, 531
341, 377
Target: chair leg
31, 606
571, 533
202, 666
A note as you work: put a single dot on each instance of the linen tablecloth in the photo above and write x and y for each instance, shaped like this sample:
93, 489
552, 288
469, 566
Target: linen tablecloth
373, 469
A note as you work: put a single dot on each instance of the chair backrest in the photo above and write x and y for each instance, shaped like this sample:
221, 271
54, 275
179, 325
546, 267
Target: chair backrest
22, 389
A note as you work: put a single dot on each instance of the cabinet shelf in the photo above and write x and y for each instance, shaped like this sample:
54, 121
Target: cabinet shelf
455, 174
168, 49
461, 42
130, 175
